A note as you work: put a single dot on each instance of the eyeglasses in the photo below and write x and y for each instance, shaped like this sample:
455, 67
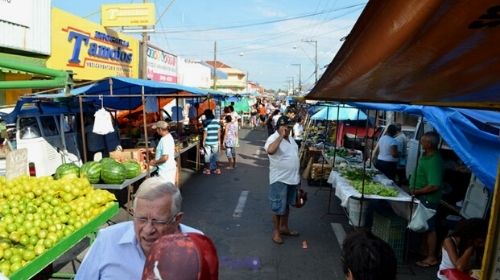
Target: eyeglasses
142, 221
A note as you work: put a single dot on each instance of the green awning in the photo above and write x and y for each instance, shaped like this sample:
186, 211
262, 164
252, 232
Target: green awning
22, 59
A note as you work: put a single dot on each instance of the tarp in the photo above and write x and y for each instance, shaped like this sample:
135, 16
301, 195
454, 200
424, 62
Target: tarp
241, 104
333, 113
25, 107
467, 132
431, 52
128, 86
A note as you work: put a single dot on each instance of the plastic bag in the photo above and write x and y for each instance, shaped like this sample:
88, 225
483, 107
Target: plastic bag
102, 122
419, 220
455, 274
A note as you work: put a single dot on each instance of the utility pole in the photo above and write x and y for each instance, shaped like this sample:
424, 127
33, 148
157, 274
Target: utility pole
315, 58
215, 66
300, 75
144, 68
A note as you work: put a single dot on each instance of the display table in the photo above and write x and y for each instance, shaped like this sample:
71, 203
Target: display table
350, 197
344, 190
178, 159
129, 184
90, 229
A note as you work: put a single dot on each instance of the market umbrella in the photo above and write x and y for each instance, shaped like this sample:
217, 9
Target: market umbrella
345, 113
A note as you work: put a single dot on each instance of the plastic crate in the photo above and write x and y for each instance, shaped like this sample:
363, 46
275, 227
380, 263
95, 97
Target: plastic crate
391, 228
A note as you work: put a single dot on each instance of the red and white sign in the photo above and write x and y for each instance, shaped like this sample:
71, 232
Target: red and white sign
162, 66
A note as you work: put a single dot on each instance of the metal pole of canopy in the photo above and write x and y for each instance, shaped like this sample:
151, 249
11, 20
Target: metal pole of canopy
145, 123
363, 180
82, 127
334, 154
373, 140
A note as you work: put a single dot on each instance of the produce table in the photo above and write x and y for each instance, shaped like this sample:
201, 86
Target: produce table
178, 159
65, 244
126, 184
349, 196
344, 190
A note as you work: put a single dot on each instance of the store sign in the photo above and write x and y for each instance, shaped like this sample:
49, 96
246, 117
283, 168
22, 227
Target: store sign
16, 11
162, 66
91, 51
128, 14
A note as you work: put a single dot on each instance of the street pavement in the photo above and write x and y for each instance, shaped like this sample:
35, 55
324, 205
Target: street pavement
233, 210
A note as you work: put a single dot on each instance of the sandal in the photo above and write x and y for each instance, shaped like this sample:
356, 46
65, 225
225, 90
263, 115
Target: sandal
290, 233
206, 171
217, 171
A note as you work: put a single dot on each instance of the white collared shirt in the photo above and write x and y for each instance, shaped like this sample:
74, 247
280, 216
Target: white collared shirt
116, 254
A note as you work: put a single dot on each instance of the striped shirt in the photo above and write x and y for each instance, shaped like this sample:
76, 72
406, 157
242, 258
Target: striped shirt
212, 128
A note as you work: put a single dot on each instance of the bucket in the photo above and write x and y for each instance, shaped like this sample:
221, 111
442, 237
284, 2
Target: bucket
354, 210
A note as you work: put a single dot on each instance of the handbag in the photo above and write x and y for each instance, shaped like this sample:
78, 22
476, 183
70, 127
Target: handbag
301, 198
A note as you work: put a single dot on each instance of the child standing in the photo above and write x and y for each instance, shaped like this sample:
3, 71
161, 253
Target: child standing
230, 140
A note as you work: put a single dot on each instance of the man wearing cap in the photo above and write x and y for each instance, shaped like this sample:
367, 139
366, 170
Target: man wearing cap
165, 153
283, 176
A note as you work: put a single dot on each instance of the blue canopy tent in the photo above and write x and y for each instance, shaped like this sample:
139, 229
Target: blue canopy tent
463, 130
129, 91
332, 113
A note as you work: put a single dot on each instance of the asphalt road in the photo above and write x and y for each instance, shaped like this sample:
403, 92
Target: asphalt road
233, 210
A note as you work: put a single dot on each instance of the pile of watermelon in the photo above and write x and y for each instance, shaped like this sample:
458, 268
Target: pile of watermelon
107, 171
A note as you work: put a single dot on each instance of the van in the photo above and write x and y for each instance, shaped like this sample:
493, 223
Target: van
51, 140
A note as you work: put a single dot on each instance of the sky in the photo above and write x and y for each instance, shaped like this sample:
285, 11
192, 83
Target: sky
264, 38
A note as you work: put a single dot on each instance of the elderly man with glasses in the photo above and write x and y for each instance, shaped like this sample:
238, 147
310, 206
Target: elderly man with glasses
119, 250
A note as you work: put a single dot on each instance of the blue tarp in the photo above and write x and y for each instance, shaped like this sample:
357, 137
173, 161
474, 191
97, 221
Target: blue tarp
335, 113
128, 86
467, 132
120, 86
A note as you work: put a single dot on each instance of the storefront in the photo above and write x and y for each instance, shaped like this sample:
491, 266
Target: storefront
25, 32
162, 66
90, 50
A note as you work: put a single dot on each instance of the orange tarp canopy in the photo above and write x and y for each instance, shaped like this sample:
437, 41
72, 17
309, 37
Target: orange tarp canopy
419, 52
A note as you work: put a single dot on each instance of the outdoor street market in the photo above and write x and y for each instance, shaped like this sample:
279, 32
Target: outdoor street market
129, 153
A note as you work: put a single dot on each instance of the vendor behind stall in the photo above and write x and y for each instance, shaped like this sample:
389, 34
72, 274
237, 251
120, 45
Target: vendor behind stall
165, 153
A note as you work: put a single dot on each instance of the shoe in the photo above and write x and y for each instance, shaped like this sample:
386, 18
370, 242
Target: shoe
278, 241
206, 171
290, 233
217, 171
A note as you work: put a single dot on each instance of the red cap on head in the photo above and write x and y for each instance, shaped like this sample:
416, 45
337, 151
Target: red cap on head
184, 256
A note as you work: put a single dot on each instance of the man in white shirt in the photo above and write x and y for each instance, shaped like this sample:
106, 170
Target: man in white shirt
165, 153
283, 177
119, 251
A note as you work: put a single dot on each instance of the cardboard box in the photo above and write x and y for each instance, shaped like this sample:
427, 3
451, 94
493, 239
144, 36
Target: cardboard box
138, 154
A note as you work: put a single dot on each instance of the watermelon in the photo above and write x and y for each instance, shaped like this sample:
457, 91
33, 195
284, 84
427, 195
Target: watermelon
133, 169
92, 171
113, 173
67, 170
107, 160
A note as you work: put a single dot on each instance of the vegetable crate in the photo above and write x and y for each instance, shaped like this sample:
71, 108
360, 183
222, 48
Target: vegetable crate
391, 228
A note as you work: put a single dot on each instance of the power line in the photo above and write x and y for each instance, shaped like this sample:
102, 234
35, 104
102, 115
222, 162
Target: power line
260, 23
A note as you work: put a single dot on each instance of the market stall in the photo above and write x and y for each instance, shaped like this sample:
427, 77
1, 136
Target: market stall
418, 66
89, 230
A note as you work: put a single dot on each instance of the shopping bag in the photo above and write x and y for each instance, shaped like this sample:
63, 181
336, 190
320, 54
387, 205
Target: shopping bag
301, 198
102, 122
419, 219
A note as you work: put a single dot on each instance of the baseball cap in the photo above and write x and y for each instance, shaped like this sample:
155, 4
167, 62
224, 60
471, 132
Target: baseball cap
160, 124
283, 120
182, 256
